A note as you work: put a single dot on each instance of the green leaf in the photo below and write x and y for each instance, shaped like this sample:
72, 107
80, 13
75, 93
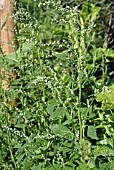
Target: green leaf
107, 165
60, 111
38, 167
100, 52
83, 166
90, 11
27, 165
51, 106
69, 166
20, 126
64, 149
51, 153
91, 132
18, 146
84, 111
59, 129
3, 23
107, 97
62, 56
80, 75
20, 157
55, 167
103, 150
12, 56
67, 122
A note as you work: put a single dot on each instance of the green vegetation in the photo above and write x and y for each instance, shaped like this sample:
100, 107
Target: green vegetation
63, 118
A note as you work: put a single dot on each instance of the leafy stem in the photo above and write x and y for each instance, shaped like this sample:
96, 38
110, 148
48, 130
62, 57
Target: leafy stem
79, 99
10, 147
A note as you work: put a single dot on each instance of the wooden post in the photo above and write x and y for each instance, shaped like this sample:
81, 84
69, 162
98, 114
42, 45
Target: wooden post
7, 38
7, 32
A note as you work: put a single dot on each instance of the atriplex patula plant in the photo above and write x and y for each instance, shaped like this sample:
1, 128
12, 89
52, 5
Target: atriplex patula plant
53, 125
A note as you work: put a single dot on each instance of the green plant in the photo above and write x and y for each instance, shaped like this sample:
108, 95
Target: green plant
57, 122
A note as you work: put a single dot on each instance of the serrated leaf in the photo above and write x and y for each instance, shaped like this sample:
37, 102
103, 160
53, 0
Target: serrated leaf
103, 150
91, 132
107, 165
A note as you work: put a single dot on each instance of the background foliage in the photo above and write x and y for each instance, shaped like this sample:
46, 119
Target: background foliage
63, 118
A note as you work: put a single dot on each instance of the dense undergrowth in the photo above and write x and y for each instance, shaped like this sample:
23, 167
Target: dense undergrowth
64, 92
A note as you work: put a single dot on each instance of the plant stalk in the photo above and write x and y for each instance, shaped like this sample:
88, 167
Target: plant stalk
10, 148
79, 100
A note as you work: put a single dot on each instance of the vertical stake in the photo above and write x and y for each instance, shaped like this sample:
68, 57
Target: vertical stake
7, 40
